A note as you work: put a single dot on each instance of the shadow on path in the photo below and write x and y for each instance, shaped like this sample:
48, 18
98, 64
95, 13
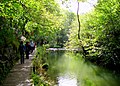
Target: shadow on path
20, 74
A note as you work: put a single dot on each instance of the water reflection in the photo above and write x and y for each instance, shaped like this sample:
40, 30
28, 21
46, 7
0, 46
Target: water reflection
67, 81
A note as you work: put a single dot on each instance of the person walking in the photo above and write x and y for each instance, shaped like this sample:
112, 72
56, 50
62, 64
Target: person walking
32, 45
21, 50
27, 45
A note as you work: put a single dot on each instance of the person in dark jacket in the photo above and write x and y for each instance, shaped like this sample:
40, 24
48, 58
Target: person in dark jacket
21, 50
27, 46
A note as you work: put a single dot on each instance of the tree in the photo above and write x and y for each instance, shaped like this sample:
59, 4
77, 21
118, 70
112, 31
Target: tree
101, 34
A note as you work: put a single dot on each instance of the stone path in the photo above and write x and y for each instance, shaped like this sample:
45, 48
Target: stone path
20, 74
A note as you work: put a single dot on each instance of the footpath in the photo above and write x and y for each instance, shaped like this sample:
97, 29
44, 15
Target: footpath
20, 75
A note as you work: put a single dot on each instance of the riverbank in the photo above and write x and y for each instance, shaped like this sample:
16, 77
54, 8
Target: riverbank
40, 73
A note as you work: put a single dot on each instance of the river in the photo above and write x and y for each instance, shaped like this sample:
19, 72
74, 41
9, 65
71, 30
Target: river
70, 69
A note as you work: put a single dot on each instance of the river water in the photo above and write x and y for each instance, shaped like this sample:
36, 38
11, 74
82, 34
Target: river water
70, 69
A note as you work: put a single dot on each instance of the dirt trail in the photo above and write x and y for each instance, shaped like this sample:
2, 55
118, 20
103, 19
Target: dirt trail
20, 74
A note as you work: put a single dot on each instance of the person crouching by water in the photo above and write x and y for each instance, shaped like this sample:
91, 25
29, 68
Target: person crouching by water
21, 50
27, 45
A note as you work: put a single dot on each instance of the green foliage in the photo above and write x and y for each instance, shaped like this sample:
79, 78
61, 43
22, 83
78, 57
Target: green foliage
88, 82
100, 34
40, 77
39, 81
63, 33
36, 19
46, 23
109, 38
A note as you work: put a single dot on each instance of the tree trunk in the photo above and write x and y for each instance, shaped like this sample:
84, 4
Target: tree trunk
83, 49
78, 21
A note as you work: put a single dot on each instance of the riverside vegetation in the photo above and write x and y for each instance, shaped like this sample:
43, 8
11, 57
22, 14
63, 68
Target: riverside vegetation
47, 24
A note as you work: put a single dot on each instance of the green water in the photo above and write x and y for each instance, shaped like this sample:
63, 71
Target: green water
70, 69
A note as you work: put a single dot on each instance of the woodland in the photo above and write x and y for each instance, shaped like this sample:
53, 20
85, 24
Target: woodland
95, 33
